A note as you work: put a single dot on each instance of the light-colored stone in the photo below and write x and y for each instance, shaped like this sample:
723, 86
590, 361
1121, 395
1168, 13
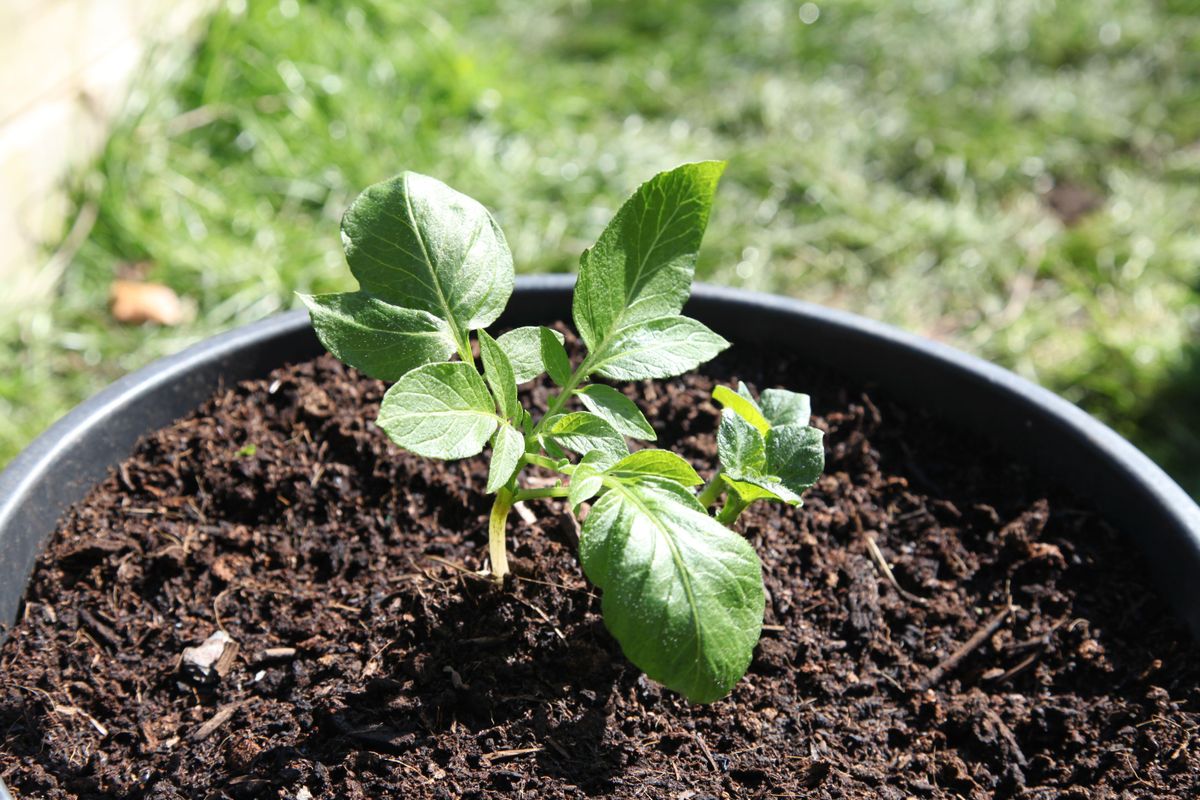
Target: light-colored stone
209, 661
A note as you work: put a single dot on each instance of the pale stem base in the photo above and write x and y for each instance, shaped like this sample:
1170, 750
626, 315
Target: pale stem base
497, 522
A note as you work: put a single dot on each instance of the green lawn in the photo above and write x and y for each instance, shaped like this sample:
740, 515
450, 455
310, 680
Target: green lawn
889, 158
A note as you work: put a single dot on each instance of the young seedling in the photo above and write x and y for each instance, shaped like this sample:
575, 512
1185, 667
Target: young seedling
682, 593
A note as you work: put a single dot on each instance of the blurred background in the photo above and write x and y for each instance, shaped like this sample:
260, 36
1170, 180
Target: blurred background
1018, 178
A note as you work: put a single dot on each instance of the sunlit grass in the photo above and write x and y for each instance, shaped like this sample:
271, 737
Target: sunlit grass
889, 158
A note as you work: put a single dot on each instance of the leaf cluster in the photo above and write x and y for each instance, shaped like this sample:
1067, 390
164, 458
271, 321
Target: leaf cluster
682, 593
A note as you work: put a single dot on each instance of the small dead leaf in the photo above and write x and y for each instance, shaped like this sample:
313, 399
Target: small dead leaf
135, 302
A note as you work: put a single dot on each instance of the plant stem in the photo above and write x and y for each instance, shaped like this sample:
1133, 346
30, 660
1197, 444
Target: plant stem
463, 345
536, 494
712, 490
496, 524
559, 400
540, 461
730, 511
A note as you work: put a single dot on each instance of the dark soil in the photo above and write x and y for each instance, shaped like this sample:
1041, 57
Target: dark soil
374, 663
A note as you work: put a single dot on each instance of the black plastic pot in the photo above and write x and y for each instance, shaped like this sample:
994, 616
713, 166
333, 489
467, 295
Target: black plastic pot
1037, 427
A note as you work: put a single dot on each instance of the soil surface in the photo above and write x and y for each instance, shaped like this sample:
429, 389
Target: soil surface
1015, 649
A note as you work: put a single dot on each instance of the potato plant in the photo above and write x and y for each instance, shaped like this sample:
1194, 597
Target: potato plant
682, 593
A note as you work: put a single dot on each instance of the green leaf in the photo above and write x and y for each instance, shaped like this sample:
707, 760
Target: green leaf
621, 412
782, 407
508, 445
439, 411
499, 374
796, 453
683, 595
657, 463
552, 449
523, 346
746, 458
740, 446
779, 465
751, 487
586, 433
417, 243
641, 267
743, 404
586, 481
659, 348
376, 338
554, 356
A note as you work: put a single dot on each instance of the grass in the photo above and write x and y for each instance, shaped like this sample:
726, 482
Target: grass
889, 158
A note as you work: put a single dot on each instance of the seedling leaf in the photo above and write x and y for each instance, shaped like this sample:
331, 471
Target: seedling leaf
655, 463
777, 466
523, 346
499, 374
796, 453
508, 445
590, 436
750, 487
621, 412
378, 339
782, 407
683, 595
439, 411
658, 348
554, 356
641, 267
744, 406
415, 242
740, 445
586, 481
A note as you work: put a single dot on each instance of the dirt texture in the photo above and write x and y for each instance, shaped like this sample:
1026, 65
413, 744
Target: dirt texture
939, 624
